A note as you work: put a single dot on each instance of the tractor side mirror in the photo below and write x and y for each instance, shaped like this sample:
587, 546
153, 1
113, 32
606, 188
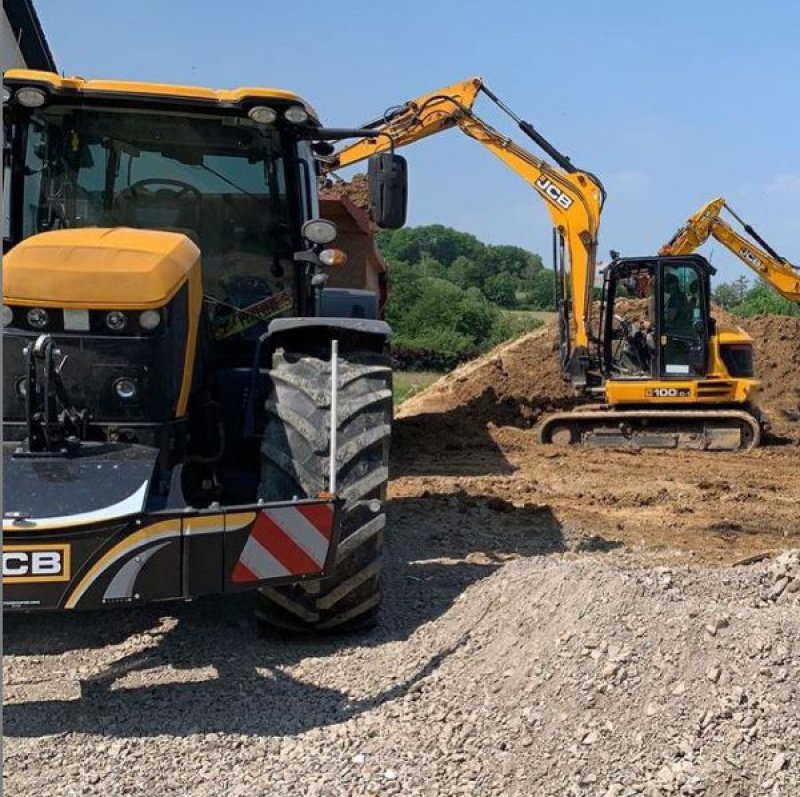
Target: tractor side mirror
387, 179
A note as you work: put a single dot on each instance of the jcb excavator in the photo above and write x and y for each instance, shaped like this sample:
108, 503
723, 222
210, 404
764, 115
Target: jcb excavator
777, 271
654, 370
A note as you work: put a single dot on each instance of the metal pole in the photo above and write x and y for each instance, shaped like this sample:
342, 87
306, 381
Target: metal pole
334, 414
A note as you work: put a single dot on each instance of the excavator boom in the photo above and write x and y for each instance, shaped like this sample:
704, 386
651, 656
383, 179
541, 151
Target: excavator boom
761, 257
574, 198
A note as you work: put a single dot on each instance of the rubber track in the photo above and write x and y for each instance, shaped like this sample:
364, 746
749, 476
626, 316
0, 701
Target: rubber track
612, 416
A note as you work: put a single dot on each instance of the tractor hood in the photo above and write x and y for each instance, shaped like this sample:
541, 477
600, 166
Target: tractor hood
97, 268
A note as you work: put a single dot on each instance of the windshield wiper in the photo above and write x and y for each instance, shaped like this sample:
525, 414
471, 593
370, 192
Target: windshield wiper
228, 181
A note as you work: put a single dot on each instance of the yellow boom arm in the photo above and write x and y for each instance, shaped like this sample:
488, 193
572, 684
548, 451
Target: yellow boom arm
774, 269
573, 198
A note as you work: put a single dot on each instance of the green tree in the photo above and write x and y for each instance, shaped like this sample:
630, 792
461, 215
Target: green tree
513, 259
761, 299
725, 295
541, 294
502, 289
431, 267
405, 289
740, 286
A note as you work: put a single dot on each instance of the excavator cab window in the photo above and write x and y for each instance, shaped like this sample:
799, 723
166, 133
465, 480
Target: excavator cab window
657, 318
631, 310
683, 320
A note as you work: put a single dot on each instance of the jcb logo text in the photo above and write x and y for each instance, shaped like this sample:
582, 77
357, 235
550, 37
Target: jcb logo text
36, 563
553, 192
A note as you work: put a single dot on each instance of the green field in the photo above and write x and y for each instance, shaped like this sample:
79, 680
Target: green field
408, 383
539, 315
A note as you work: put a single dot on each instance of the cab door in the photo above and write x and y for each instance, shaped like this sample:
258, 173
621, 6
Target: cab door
683, 320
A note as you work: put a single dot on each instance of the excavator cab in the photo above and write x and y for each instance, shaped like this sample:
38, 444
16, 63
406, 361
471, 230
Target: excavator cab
668, 375
658, 321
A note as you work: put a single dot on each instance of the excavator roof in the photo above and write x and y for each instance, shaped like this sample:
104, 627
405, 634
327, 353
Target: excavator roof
622, 264
156, 92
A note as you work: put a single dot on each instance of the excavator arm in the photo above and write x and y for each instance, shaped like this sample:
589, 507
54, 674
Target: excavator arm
574, 198
762, 258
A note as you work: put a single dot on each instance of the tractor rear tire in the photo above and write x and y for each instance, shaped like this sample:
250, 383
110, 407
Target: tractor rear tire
295, 462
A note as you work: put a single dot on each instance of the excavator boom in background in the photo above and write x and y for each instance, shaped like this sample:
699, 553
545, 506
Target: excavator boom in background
775, 270
654, 370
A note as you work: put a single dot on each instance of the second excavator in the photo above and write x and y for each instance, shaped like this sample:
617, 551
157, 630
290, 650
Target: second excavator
649, 364
707, 223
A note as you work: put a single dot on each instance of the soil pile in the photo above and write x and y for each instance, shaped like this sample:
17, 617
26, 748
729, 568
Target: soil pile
777, 363
516, 382
512, 385
356, 190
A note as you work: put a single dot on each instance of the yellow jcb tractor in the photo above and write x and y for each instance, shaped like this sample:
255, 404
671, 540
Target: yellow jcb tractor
187, 408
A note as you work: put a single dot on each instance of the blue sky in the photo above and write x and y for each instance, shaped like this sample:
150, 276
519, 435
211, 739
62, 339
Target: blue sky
669, 103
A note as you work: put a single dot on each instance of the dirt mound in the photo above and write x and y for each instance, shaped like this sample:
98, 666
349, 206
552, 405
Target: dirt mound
777, 362
516, 382
512, 385
356, 190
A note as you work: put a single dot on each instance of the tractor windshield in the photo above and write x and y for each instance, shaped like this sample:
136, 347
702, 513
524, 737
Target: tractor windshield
219, 180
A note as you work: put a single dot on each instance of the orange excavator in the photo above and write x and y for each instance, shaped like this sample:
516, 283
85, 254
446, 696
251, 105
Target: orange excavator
649, 365
775, 270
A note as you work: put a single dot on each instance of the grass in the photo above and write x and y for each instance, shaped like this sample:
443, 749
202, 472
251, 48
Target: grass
538, 315
409, 383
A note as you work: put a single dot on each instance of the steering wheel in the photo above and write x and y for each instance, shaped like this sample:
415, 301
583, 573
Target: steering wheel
186, 188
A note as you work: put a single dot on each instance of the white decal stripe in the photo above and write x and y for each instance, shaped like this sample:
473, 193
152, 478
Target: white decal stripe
75, 597
124, 581
260, 562
132, 505
302, 532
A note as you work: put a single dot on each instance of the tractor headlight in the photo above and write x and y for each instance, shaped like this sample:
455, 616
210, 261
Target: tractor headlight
8, 315
38, 317
6, 94
296, 114
149, 319
319, 231
116, 320
31, 97
125, 388
263, 115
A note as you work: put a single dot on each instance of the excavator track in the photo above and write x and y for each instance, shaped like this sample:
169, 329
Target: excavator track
705, 430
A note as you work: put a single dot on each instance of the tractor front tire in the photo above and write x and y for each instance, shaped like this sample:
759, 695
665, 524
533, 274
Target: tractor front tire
295, 463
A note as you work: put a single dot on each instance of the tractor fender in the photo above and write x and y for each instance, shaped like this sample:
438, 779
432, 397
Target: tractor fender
308, 334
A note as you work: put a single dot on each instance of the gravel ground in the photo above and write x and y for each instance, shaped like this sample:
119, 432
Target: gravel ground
516, 655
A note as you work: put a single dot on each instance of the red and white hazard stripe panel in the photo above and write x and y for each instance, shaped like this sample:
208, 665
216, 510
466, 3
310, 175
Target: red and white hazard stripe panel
286, 541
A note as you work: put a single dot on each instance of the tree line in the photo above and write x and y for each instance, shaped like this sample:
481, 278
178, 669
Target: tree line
743, 298
450, 293
506, 275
